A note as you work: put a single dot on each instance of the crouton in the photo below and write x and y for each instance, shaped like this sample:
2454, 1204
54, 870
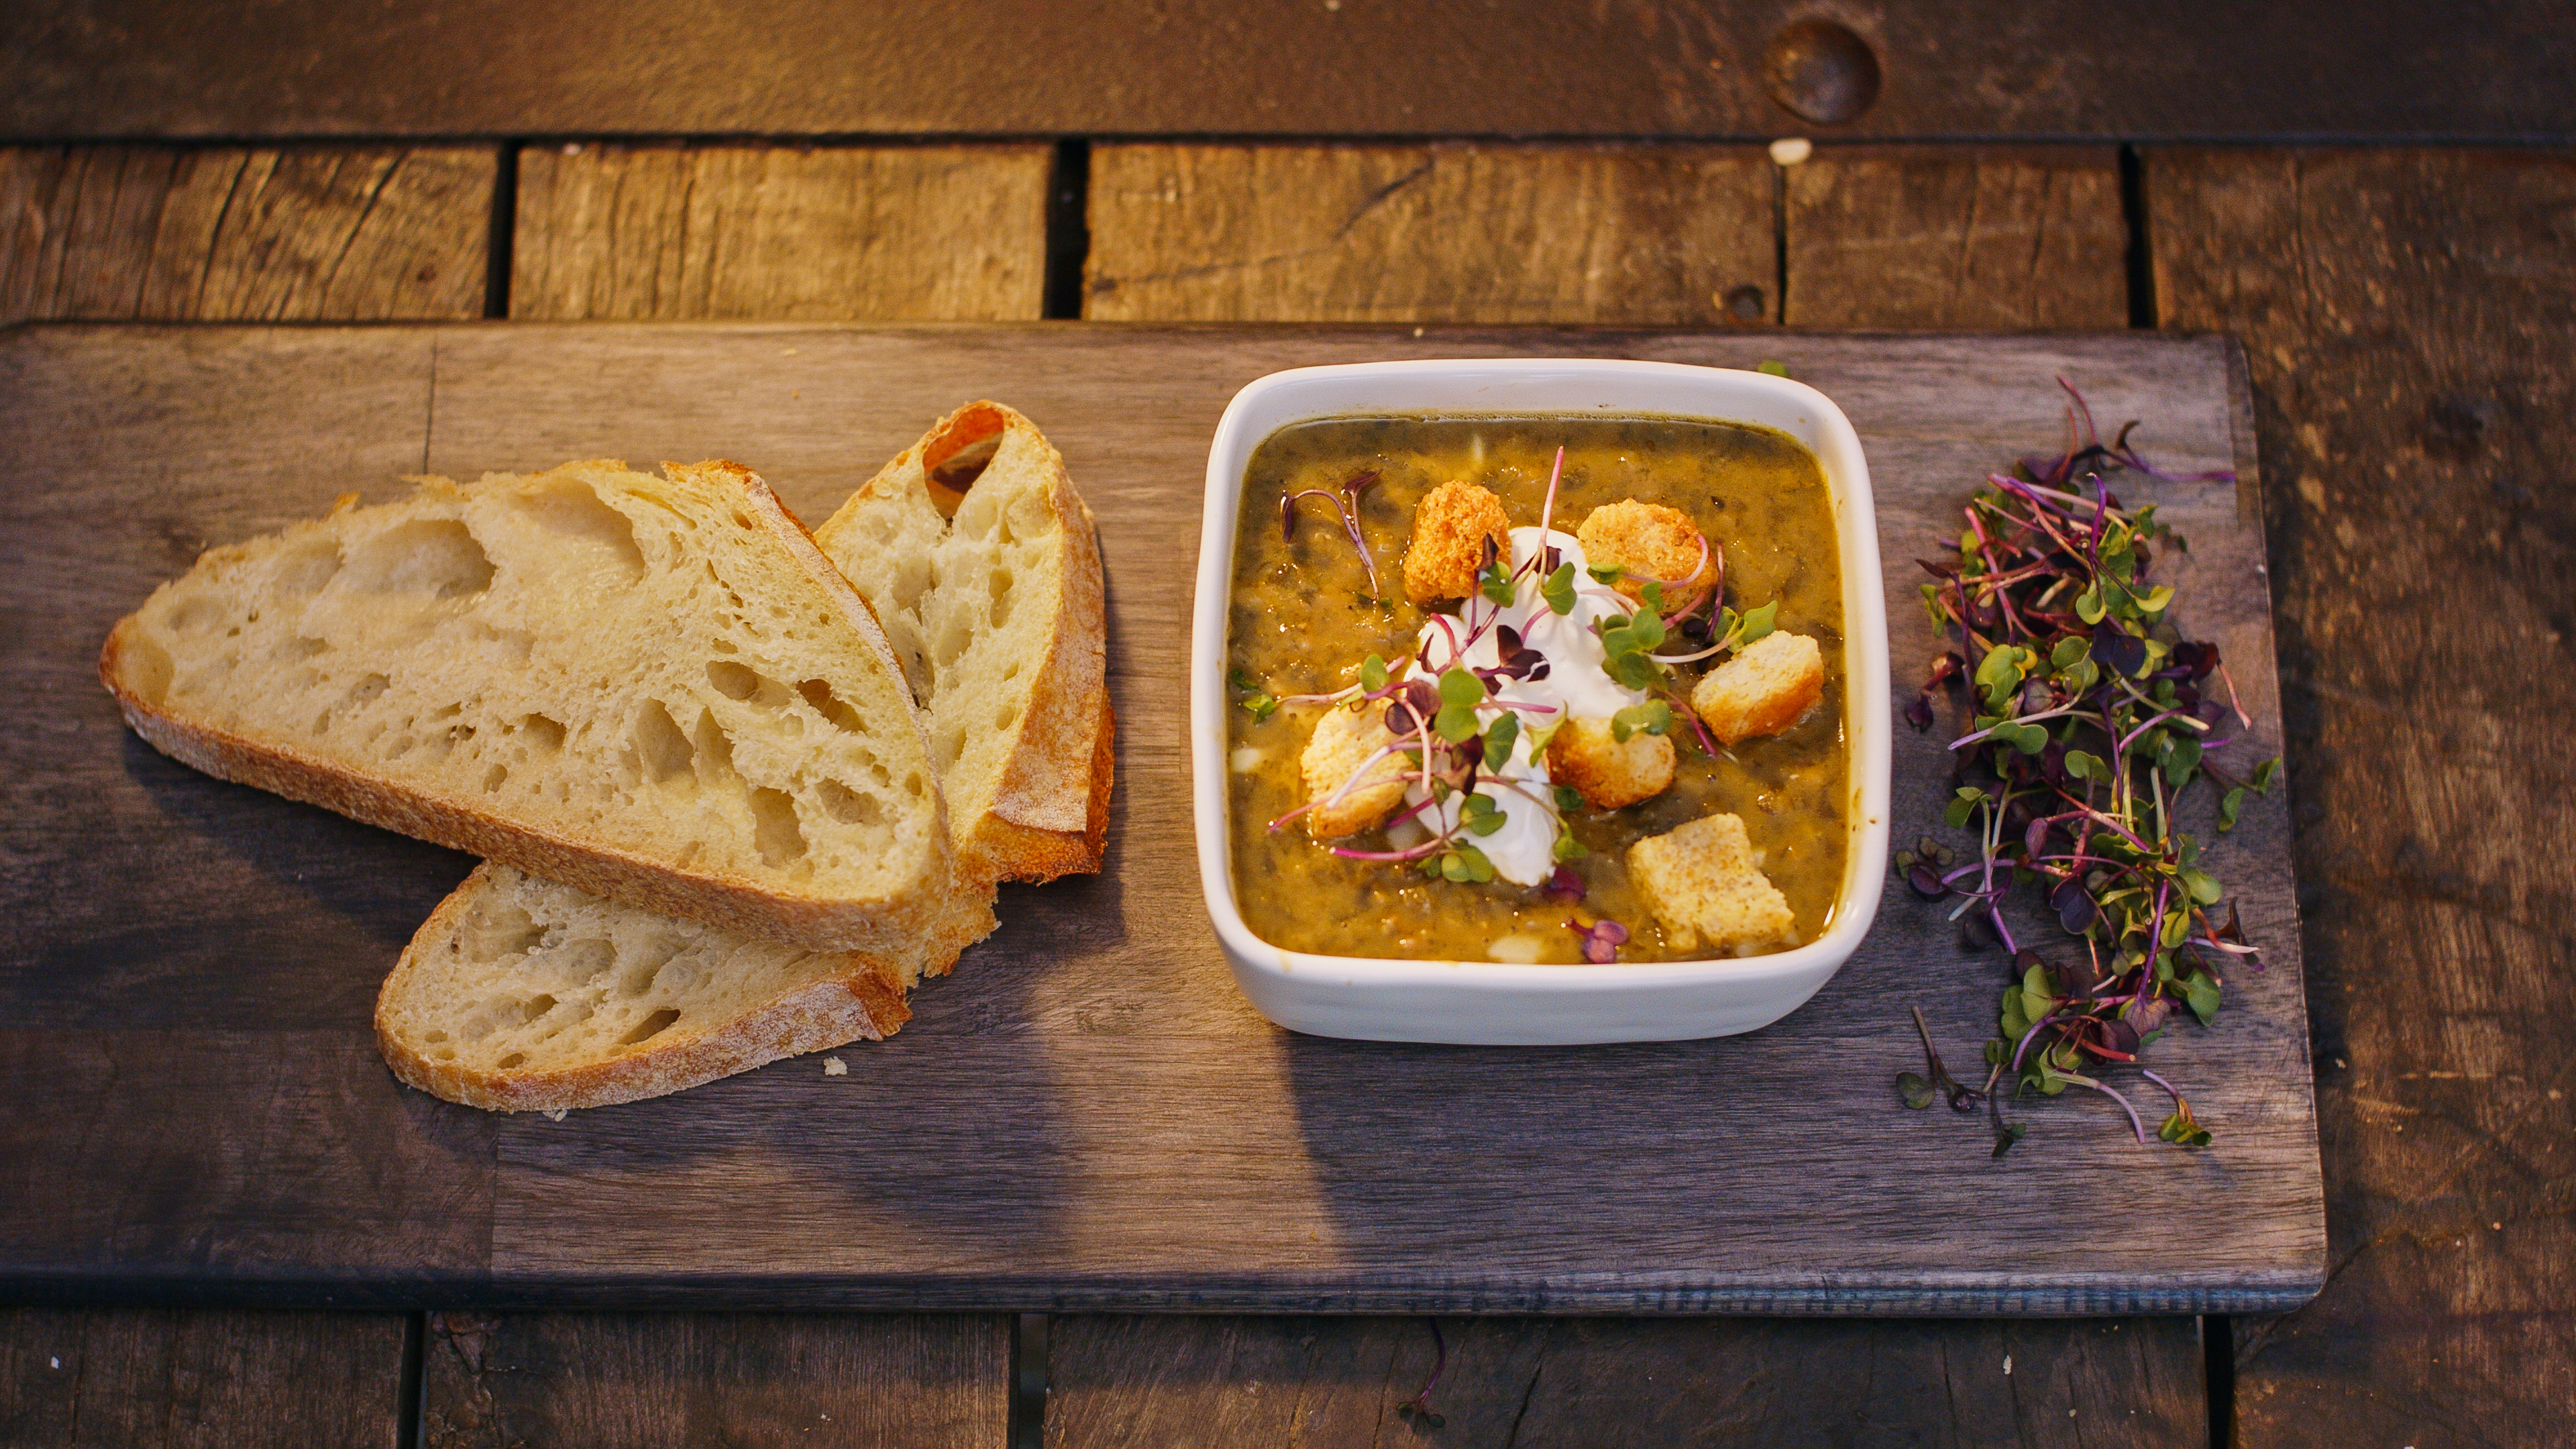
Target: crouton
1701, 882
1647, 539
1586, 754
1450, 526
1342, 742
1767, 687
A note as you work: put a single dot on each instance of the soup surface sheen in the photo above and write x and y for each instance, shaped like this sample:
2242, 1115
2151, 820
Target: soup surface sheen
1303, 618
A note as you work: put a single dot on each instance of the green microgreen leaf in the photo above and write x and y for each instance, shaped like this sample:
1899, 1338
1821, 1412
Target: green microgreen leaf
1913, 1091
1568, 848
1261, 705
1653, 717
1373, 674
1500, 737
1480, 816
1559, 590
2227, 807
2200, 993
1773, 368
1568, 799
2085, 765
1605, 573
1494, 581
2181, 1129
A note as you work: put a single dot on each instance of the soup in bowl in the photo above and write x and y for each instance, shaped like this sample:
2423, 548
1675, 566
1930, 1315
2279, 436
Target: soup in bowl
1537, 701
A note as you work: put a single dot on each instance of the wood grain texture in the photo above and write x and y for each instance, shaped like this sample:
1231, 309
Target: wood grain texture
227, 234
751, 1380
1986, 239
2407, 316
1637, 235
161, 1379
1145, 1383
786, 233
1164, 1147
2474, 68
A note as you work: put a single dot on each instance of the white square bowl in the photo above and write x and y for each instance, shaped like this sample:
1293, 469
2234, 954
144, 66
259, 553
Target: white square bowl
1492, 1003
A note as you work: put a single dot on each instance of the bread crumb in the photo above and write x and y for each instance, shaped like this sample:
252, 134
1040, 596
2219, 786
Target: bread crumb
1344, 740
554, 1114
1647, 539
835, 1067
1588, 755
1702, 882
1766, 688
1450, 527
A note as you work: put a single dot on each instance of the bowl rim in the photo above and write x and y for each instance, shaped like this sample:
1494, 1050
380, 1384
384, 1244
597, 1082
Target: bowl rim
1867, 719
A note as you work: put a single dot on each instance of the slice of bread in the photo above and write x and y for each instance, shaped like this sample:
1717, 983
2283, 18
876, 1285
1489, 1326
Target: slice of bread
655, 690
522, 995
981, 561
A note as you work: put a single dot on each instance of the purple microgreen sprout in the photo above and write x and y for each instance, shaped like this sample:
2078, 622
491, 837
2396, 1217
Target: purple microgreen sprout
1601, 939
1346, 507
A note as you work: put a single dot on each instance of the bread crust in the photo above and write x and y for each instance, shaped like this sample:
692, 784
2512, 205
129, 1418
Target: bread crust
866, 1004
716, 897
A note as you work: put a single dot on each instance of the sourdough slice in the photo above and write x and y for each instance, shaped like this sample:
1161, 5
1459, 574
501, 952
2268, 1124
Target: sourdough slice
522, 995
981, 561
656, 690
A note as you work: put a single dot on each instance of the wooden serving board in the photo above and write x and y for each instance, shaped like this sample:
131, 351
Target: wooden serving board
1086, 1114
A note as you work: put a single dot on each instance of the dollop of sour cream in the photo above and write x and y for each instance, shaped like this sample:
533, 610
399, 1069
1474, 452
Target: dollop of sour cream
1523, 851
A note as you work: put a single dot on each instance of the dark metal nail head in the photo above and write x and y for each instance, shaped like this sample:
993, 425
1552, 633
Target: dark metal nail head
1821, 72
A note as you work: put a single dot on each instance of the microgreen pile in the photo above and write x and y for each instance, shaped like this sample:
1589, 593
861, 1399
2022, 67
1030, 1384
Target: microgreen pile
2093, 717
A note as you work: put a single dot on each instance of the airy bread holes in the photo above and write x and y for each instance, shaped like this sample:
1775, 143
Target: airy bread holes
148, 666
432, 557
848, 806
505, 932
774, 827
645, 1030
1001, 597
733, 681
660, 747
584, 526
544, 733
715, 749
305, 568
829, 706
196, 616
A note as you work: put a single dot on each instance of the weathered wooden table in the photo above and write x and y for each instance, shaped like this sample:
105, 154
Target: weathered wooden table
2408, 313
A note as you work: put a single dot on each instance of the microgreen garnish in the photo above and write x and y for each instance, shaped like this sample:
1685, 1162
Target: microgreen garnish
1493, 580
1627, 645
1346, 506
1500, 736
1559, 590
1773, 368
1601, 939
1460, 692
1653, 717
1373, 674
1418, 1408
1263, 706
2090, 720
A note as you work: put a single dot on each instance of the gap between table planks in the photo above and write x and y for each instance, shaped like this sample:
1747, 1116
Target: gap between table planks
1167, 1149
